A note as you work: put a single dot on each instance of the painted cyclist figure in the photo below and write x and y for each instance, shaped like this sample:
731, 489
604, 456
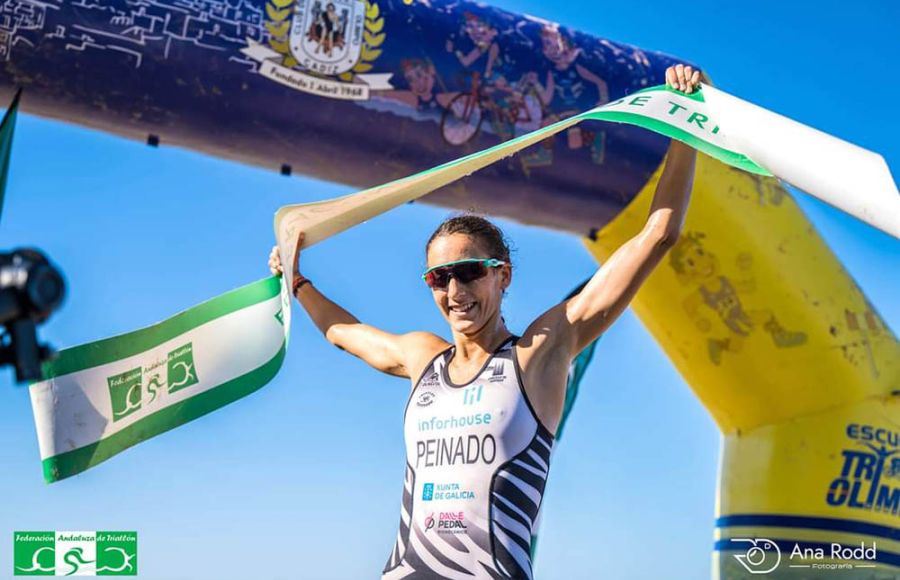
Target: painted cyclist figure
481, 417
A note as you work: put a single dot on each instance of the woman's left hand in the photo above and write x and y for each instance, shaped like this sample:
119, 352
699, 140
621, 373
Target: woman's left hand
683, 78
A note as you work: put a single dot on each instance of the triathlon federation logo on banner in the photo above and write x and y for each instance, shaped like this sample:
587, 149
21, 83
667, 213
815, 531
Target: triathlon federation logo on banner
141, 386
75, 553
125, 392
181, 373
323, 47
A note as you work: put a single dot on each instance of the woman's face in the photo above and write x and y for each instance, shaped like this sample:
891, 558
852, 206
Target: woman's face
484, 294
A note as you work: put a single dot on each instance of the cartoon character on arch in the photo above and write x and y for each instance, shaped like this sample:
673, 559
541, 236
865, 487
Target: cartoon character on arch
567, 83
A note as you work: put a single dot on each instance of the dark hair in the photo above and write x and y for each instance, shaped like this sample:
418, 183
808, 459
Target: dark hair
477, 227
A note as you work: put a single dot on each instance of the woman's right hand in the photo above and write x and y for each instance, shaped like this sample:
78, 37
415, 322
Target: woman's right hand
275, 265
275, 262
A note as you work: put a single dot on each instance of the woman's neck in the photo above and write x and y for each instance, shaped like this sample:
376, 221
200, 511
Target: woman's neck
477, 346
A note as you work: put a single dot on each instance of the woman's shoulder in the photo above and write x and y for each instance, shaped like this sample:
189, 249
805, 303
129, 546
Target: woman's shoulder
420, 348
544, 344
421, 344
422, 338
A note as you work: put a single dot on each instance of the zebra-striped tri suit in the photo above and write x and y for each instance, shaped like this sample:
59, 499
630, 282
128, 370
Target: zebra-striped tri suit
477, 461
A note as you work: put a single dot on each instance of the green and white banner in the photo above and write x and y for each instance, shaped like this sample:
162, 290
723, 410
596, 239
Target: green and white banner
724, 127
98, 399
104, 397
660, 109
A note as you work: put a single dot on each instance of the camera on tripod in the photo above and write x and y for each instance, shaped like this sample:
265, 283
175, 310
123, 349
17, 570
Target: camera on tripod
31, 288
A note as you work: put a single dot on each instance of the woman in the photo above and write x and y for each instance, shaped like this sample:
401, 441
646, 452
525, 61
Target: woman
481, 417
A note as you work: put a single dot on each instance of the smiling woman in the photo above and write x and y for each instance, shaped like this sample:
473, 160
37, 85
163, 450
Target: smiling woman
469, 272
512, 386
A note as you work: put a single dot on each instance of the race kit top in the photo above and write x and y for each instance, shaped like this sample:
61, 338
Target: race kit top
477, 461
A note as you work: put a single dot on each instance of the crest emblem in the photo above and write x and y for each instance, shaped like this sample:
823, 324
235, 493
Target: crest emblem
327, 35
323, 47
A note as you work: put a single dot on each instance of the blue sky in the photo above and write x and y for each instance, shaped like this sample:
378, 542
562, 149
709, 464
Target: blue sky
307, 473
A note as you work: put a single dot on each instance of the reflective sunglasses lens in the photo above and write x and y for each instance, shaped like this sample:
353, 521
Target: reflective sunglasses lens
466, 272
469, 271
438, 278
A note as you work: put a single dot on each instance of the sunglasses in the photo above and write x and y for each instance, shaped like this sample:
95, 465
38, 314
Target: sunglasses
465, 271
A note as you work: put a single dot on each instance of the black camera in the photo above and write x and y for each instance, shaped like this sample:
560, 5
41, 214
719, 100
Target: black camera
30, 290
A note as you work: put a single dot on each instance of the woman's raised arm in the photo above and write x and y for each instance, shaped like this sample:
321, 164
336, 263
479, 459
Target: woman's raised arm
401, 355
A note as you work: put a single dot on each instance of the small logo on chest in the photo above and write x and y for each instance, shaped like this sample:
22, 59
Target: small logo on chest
472, 395
431, 380
425, 399
498, 373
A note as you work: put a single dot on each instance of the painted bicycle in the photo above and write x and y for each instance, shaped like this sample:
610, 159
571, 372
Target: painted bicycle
506, 106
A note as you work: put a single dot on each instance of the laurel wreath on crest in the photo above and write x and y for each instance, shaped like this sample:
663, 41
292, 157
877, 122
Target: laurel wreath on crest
279, 26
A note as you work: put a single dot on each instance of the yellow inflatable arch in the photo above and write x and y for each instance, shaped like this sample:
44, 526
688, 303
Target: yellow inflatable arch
811, 435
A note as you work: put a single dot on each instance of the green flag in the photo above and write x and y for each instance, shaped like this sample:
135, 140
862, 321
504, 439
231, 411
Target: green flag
577, 368
6, 137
